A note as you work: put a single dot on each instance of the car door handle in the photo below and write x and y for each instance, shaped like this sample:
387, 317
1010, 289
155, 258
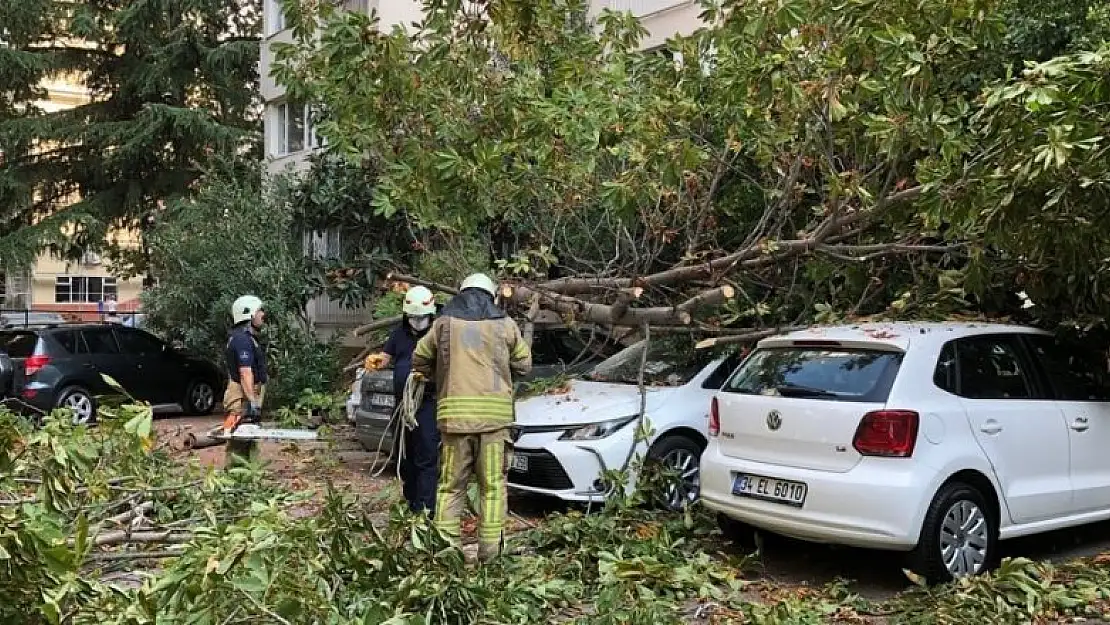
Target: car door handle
990, 427
89, 365
1080, 424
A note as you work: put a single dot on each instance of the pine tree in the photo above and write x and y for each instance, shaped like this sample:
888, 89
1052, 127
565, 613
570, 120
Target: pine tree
171, 82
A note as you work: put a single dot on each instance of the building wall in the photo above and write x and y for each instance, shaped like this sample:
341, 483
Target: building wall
662, 19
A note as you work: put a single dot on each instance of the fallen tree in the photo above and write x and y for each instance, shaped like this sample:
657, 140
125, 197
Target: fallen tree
788, 164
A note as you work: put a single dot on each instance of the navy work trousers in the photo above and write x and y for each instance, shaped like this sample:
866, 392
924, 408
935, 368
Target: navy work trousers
420, 465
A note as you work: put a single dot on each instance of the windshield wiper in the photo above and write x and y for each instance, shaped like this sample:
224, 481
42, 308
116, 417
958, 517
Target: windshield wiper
793, 390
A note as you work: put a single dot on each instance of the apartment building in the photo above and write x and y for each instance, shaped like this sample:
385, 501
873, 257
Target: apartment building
290, 137
81, 289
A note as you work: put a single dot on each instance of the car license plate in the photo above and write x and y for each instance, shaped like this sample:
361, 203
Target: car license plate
519, 463
770, 489
381, 399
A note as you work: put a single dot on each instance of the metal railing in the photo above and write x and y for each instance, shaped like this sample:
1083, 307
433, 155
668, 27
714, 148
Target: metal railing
26, 317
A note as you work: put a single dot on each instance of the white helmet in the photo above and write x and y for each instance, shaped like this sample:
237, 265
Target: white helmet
244, 308
419, 301
479, 281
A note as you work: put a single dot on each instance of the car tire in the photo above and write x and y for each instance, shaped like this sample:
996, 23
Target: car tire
683, 454
959, 536
200, 399
81, 401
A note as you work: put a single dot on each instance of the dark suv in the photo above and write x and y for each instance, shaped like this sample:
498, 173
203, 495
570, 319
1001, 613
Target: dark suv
61, 365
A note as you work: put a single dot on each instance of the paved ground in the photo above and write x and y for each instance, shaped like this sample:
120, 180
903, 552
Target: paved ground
875, 575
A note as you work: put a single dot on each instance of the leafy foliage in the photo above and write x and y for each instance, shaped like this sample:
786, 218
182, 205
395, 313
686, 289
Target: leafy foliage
1020, 591
79, 506
831, 160
334, 197
168, 82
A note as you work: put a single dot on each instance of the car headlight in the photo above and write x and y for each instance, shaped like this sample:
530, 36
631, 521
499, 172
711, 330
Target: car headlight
595, 431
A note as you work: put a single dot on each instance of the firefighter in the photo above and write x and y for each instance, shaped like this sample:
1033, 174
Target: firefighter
246, 367
471, 352
420, 454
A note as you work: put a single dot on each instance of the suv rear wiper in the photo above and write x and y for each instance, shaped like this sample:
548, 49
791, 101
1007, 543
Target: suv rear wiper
793, 390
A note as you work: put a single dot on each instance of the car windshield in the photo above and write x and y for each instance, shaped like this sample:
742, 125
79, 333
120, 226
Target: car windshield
819, 373
671, 361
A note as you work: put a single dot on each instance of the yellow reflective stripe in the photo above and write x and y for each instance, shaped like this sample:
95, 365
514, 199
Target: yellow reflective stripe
487, 511
445, 518
425, 347
488, 400
473, 412
520, 351
464, 418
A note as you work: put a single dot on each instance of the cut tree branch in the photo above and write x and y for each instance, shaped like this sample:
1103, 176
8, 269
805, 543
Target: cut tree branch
707, 299
745, 337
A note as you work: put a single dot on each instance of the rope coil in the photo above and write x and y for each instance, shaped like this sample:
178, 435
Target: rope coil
403, 419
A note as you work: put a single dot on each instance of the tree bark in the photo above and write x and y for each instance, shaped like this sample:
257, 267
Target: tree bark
601, 314
377, 325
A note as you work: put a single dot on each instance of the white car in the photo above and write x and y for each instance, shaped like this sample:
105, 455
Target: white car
934, 439
565, 441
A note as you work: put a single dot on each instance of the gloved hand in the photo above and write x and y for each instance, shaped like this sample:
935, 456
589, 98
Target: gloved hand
374, 362
252, 413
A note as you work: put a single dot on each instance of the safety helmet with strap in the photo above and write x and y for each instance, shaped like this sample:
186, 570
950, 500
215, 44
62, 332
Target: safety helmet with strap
479, 281
244, 308
419, 301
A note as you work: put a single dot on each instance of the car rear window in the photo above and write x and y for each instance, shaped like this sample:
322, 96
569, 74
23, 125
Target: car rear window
18, 344
818, 373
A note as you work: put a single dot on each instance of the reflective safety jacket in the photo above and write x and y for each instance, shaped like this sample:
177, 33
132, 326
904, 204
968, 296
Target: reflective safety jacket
472, 351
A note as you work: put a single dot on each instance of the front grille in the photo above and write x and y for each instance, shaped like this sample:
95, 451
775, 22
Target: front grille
544, 471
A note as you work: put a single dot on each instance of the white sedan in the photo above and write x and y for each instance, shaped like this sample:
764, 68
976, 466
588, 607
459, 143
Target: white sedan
938, 440
564, 442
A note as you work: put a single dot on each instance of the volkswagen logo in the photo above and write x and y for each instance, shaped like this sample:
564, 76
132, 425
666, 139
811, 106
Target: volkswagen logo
774, 420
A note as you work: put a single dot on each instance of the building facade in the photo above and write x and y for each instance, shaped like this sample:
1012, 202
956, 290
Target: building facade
291, 139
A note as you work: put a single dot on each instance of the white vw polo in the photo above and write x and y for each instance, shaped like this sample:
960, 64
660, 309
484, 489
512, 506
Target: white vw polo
934, 439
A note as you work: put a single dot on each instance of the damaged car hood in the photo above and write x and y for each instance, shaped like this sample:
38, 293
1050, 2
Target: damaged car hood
587, 402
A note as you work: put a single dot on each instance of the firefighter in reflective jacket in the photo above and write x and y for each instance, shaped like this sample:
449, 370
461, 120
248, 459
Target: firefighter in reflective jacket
471, 352
246, 364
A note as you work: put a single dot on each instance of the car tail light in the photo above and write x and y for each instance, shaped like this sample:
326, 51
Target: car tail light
34, 363
889, 433
714, 418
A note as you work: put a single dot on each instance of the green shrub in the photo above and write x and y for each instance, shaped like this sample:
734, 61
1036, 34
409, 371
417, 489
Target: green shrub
238, 236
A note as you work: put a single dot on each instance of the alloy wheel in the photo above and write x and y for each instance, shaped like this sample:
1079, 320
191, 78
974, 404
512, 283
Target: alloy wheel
683, 483
964, 539
202, 397
82, 407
